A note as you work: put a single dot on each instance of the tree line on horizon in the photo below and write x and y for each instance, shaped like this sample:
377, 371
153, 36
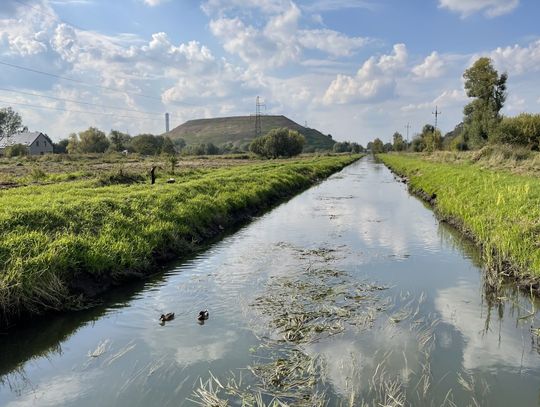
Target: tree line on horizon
482, 122
94, 140
280, 142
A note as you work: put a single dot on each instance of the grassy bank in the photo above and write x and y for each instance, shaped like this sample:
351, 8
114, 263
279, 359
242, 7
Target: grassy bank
74, 239
497, 208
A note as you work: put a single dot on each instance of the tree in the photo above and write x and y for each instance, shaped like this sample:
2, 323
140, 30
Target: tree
10, 122
377, 146
356, 148
428, 128
398, 144
453, 140
194, 149
168, 146
281, 142
146, 144
93, 140
61, 146
342, 147
179, 144
483, 83
211, 149
429, 140
119, 141
417, 143
73, 144
432, 141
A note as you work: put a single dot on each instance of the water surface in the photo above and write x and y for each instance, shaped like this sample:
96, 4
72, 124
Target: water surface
422, 327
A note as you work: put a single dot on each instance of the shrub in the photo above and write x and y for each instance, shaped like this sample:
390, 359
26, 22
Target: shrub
119, 177
201, 149
432, 140
37, 174
281, 142
16, 150
521, 130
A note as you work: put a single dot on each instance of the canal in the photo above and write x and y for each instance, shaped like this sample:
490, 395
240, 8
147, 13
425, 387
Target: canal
351, 293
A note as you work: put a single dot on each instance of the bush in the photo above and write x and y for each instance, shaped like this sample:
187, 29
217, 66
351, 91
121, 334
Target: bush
432, 140
201, 149
119, 177
16, 150
501, 152
146, 144
523, 130
459, 144
37, 174
281, 142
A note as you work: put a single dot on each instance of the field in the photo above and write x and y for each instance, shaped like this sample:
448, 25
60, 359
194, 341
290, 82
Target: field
47, 169
77, 236
498, 208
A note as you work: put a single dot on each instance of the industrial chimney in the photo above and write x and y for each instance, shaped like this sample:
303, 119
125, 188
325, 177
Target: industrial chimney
166, 122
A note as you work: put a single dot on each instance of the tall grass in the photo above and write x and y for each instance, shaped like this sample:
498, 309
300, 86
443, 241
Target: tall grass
52, 235
500, 210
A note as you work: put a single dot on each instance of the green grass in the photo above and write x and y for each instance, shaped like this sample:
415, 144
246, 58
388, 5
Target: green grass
50, 234
500, 210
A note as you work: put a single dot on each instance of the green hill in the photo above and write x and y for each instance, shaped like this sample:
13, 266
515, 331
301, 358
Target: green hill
240, 130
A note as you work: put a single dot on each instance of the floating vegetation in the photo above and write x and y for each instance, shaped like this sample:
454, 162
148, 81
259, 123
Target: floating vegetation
299, 361
303, 308
102, 347
317, 303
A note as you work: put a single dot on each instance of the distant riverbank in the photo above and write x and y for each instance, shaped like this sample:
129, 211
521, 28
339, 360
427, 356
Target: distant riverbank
62, 244
498, 209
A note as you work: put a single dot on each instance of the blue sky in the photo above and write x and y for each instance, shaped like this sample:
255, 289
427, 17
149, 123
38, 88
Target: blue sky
357, 69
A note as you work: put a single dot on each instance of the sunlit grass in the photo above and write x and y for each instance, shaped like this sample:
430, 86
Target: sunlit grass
49, 234
500, 210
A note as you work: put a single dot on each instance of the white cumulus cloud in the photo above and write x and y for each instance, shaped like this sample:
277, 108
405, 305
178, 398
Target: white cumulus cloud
331, 42
518, 59
154, 3
432, 67
491, 8
375, 80
280, 40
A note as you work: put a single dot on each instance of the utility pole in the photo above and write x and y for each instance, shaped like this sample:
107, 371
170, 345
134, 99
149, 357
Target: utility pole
408, 126
437, 113
258, 127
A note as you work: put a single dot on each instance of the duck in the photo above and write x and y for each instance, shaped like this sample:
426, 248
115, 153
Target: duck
166, 317
203, 315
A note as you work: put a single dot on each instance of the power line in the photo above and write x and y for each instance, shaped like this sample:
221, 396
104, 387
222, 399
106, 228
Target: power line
9, 102
79, 102
40, 10
49, 14
65, 78
56, 17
